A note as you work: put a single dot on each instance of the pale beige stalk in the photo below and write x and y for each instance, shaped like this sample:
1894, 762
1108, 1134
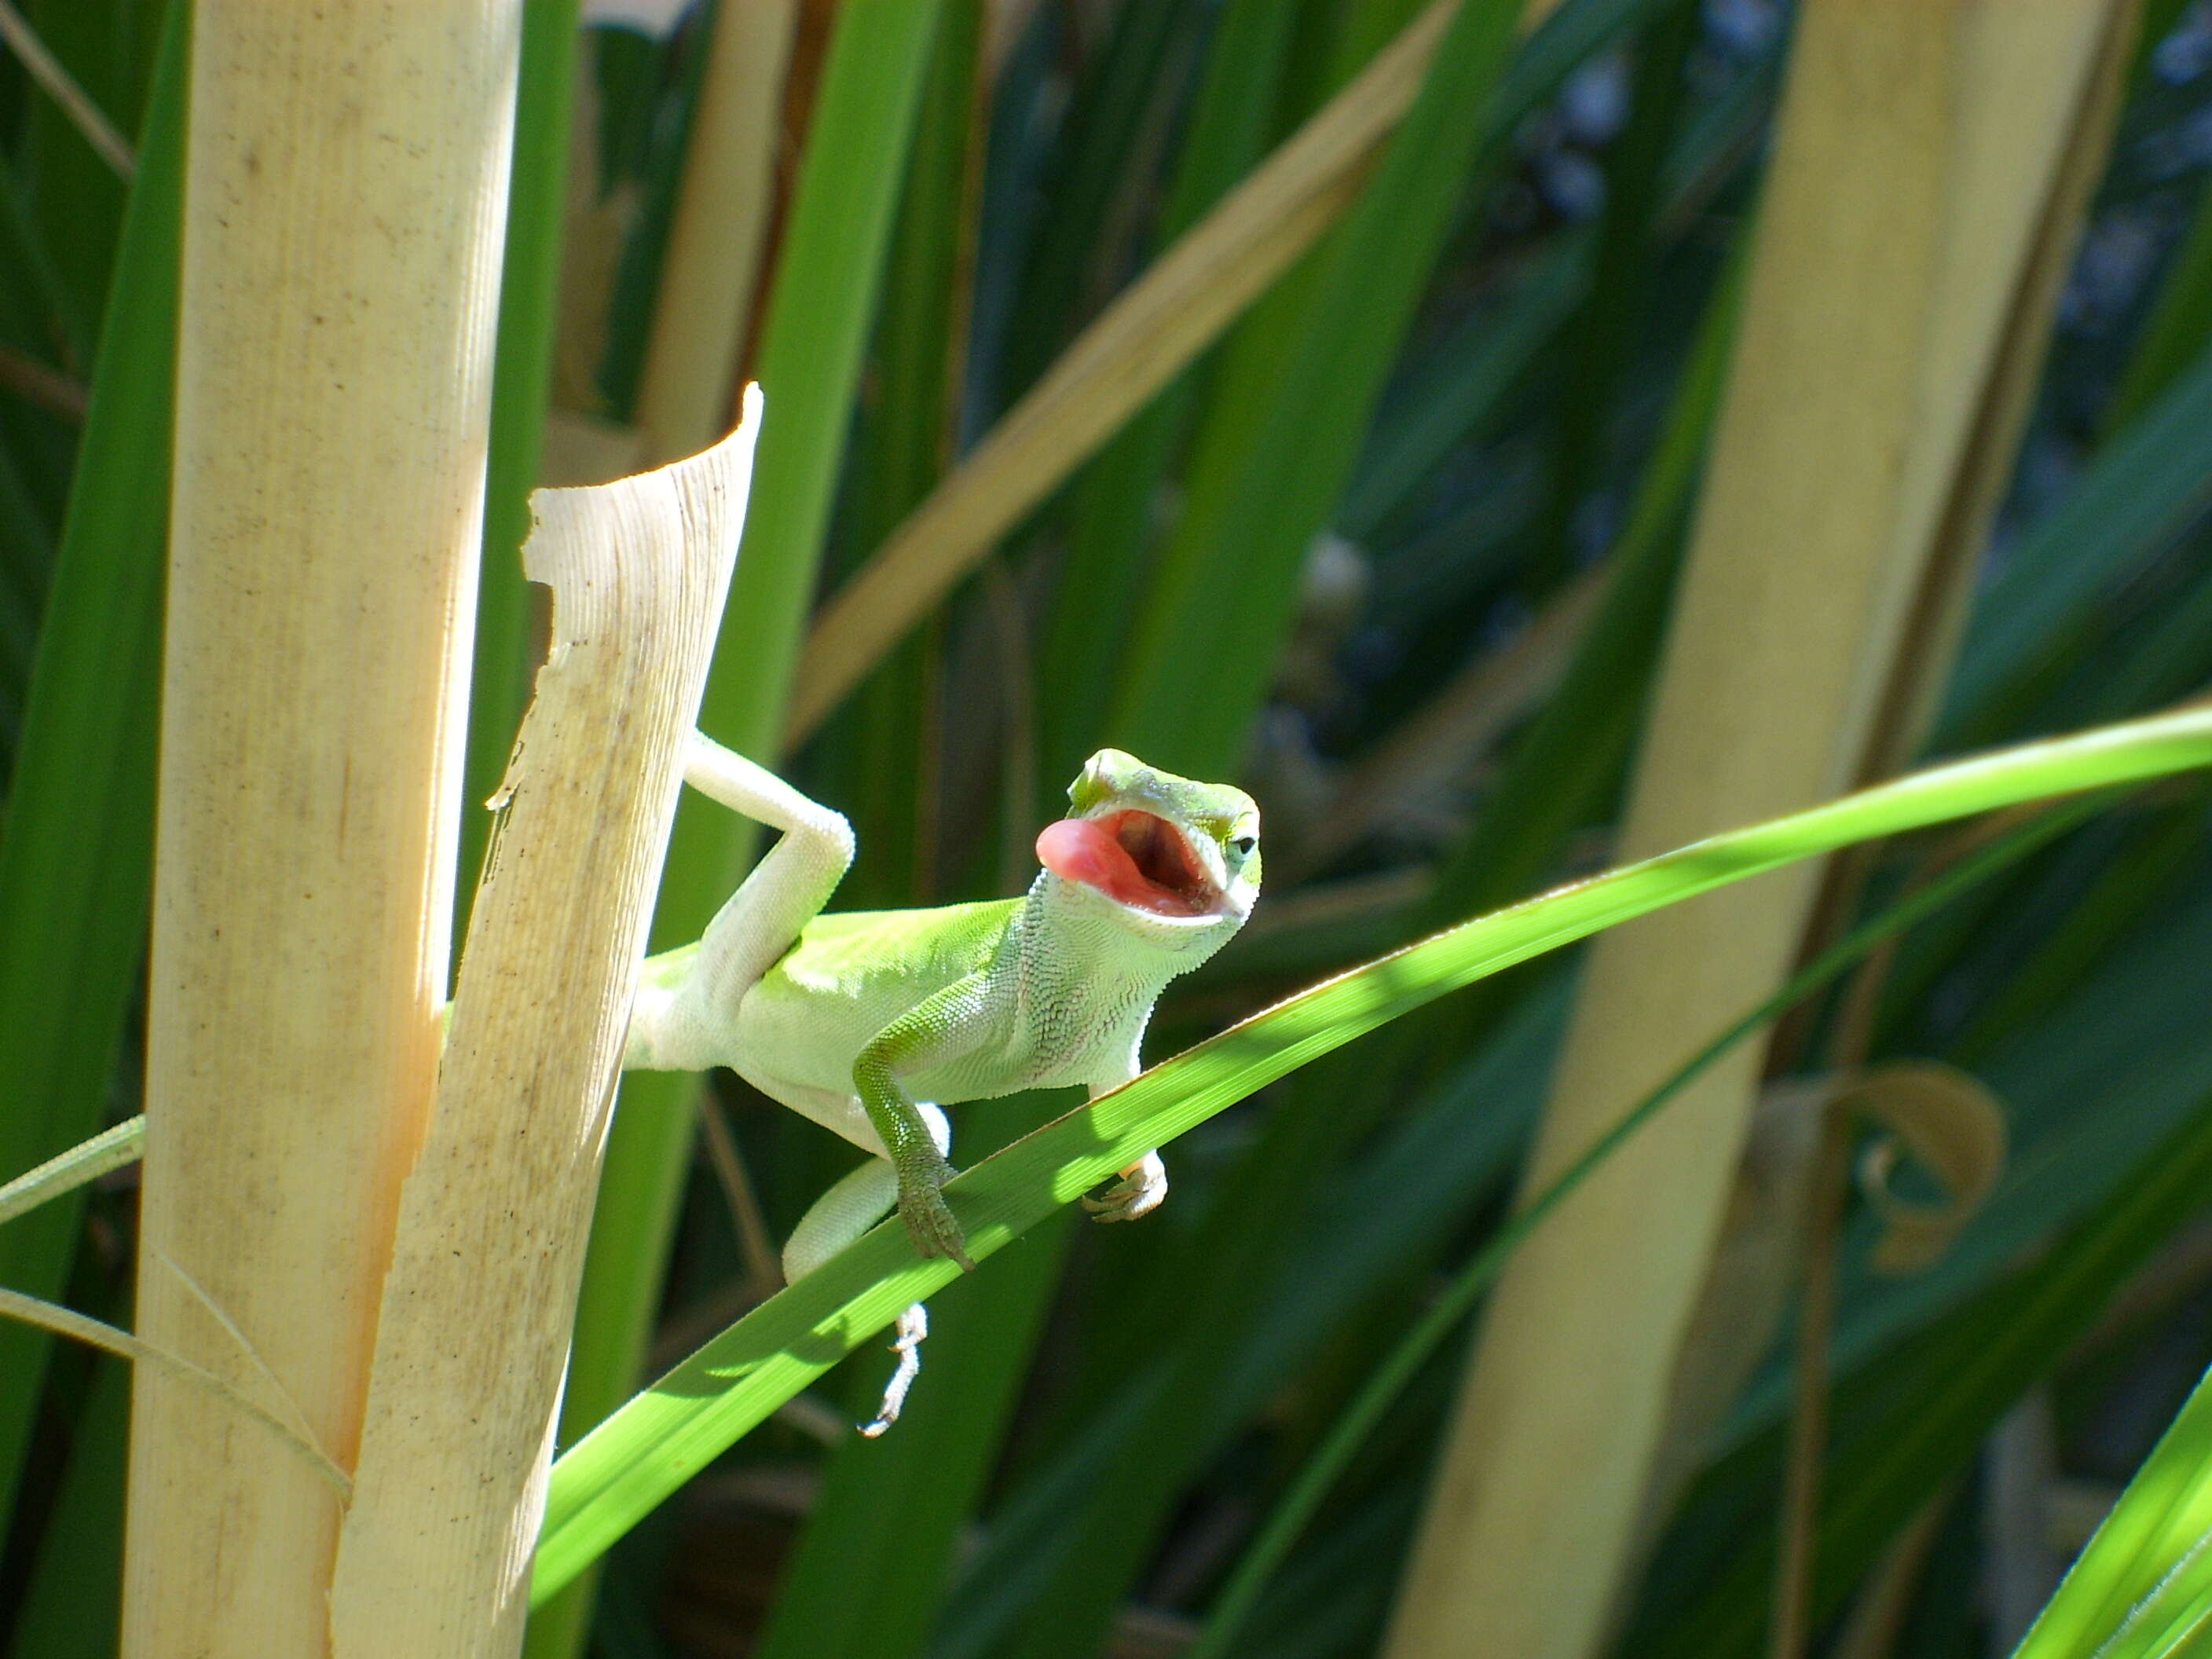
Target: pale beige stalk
719, 227
433, 1561
346, 192
1920, 146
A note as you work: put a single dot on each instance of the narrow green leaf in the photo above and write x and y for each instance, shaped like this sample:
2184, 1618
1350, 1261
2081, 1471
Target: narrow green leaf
645, 1450
827, 285
2140, 1587
869, 1570
1389, 1379
1116, 499
879, 760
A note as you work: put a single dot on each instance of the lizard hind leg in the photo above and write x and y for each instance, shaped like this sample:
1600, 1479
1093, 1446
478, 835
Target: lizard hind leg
858, 1200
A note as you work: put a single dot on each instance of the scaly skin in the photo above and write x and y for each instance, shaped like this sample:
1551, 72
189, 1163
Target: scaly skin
870, 1014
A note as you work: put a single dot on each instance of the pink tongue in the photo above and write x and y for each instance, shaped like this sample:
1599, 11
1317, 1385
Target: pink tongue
1076, 849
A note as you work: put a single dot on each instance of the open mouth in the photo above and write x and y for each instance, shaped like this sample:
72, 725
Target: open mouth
1135, 859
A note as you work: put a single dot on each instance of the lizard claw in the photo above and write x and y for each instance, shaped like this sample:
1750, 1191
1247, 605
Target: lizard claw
1140, 1191
912, 1327
929, 1219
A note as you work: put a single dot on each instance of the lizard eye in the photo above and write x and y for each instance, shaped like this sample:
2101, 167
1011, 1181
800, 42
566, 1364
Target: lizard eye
1244, 844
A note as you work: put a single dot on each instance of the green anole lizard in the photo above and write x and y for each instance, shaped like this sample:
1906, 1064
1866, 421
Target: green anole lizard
870, 1021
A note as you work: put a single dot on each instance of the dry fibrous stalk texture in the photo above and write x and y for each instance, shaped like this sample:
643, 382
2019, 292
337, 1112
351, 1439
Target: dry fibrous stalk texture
332, 404
1919, 150
435, 1556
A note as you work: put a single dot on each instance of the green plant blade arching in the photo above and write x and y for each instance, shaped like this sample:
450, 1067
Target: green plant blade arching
651, 1446
2141, 1589
1389, 1379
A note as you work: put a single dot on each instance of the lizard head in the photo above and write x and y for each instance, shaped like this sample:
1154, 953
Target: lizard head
1175, 853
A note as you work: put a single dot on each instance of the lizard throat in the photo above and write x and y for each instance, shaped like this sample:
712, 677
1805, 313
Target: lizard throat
1139, 860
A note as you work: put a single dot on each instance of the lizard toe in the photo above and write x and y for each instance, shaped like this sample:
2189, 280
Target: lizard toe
1140, 1190
930, 1223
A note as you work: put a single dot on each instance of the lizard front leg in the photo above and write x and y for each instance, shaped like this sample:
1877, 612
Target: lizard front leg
684, 1016
934, 1031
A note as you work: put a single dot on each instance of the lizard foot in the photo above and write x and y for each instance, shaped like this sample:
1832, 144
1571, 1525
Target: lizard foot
929, 1219
1138, 1192
913, 1326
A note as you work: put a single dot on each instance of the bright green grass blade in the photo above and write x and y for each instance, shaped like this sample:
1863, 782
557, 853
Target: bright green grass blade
2141, 1581
1388, 1380
1208, 643
522, 377
869, 1570
76, 860
827, 283
2141, 1586
645, 1450
828, 279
